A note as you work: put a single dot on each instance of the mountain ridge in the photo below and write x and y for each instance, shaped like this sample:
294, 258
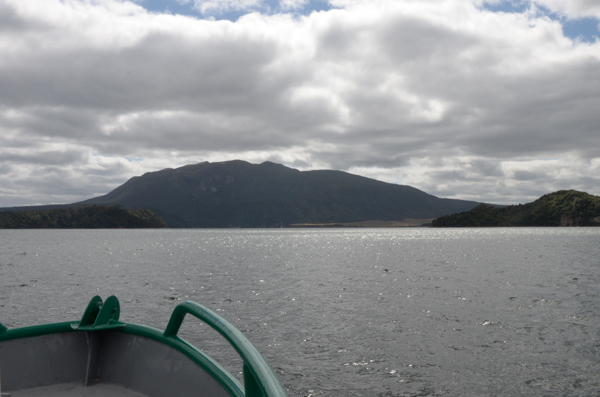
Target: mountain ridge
240, 194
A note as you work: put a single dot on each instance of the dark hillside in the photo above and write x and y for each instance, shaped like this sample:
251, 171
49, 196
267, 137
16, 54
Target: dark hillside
83, 217
562, 208
240, 194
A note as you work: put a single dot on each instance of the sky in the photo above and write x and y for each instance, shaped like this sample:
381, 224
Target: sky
493, 101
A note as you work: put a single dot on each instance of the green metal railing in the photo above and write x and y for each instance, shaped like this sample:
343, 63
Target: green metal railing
259, 378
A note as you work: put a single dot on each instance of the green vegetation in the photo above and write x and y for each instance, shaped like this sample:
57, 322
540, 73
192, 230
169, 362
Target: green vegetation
240, 194
83, 217
562, 208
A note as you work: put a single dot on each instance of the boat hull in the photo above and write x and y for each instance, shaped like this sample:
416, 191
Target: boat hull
101, 350
108, 357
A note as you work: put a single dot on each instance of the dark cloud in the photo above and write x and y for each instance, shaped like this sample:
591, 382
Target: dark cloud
55, 157
487, 168
523, 175
5, 168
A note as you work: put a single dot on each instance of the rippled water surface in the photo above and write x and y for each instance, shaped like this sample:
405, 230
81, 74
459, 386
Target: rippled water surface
339, 312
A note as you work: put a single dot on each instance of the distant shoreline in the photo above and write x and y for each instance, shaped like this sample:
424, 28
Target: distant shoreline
408, 222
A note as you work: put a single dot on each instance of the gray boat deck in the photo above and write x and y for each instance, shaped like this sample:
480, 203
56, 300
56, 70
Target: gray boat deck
77, 390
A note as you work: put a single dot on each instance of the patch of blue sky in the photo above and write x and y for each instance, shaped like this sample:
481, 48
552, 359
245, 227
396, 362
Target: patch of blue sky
507, 6
582, 29
169, 7
268, 7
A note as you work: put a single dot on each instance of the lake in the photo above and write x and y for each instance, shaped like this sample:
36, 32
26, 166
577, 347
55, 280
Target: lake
343, 312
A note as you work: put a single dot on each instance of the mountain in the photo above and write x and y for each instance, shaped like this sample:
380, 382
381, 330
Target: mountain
239, 194
85, 217
562, 208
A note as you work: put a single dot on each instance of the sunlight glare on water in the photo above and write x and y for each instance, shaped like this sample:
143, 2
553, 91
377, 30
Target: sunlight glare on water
340, 312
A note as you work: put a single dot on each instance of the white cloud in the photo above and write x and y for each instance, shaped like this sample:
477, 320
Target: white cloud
286, 5
439, 94
221, 6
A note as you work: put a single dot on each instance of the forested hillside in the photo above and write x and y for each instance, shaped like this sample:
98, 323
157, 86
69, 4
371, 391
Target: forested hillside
84, 217
562, 208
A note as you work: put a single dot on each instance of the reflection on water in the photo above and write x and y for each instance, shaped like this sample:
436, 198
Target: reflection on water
362, 312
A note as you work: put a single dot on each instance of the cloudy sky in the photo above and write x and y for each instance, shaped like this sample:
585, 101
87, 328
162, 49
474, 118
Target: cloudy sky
495, 101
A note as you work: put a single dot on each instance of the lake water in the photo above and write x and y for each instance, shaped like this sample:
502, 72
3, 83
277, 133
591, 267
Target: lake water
343, 312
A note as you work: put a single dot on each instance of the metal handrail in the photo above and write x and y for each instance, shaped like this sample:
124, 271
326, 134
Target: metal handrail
259, 378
